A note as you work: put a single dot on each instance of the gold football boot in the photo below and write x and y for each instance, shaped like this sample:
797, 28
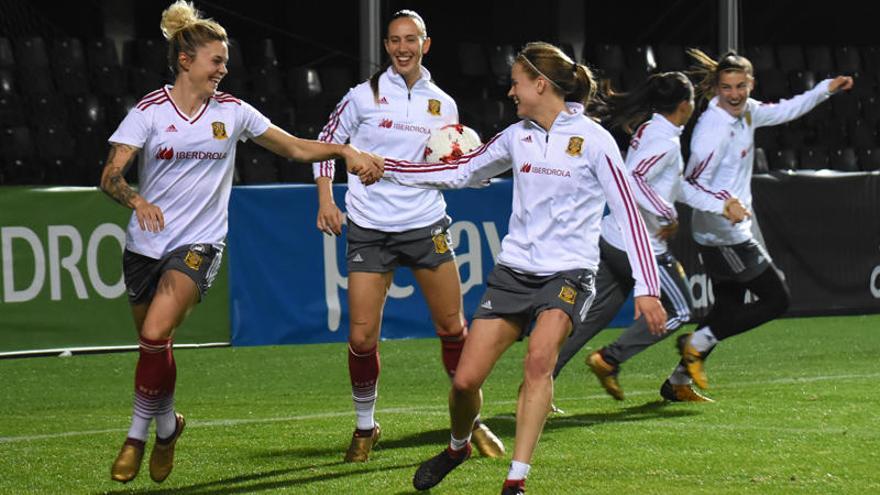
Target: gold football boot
361, 446
162, 457
486, 442
606, 373
128, 463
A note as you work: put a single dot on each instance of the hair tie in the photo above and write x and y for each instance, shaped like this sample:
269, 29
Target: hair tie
551, 81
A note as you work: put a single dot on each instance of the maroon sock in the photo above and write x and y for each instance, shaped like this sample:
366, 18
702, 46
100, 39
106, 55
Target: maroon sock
451, 351
363, 369
154, 377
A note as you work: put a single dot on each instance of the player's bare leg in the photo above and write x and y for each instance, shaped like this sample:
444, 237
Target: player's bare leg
366, 300
441, 286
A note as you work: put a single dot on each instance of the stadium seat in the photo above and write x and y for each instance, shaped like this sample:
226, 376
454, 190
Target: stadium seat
256, 165
110, 80
101, 53
813, 158
57, 151
472, 61
273, 105
47, 110
833, 134
801, 81
639, 58
869, 159
236, 59
86, 111
117, 108
11, 111
149, 54
259, 53
31, 52
670, 57
71, 80
7, 83
500, 60
871, 109
68, 52
767, 139
234, 83
791, 135
844, 160
267, 80
305, 84
20, 166
847, 59
784, 159
862, 134
871, 59
144, 81
91, 151
845, 107
290, 171
819, 116
606, 56
761, 164
762, 57
790, 57
771, 85
337, 79
864, 85
39, 81
819, 59
7, 57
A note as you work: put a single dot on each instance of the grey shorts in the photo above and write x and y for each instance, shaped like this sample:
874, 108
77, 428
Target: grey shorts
380, 252
738, 263
200, 262
520, 297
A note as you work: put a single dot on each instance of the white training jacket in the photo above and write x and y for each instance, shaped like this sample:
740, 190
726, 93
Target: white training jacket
722, 152
561, 182
654, 163
398, 125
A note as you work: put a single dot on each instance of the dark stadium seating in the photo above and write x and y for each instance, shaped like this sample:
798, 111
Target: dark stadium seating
96, 88
7, 58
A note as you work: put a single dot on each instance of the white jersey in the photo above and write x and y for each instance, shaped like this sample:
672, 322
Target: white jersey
561, 182
185, 166
396, 126
722, 152
654, 163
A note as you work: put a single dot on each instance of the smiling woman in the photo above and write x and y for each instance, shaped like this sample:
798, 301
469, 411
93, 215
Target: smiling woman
176, 234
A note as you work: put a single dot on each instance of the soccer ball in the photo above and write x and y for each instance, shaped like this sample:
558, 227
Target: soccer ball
450, 142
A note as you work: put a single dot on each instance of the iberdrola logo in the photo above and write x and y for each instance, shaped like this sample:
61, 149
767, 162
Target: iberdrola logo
165, 153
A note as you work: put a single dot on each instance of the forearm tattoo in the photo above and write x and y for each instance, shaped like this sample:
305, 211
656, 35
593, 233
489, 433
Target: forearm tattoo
114, 183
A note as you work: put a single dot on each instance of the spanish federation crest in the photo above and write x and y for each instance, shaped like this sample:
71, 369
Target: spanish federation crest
434, 107
575, 143
748, 117
219, 129
441, 241
567, 294
193, 260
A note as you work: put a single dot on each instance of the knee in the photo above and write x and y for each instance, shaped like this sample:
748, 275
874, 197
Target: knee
361, 343
463, 384
538, 366
451, 330
156, 331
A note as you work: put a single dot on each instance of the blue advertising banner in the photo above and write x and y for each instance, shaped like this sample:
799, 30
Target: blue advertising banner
288, 281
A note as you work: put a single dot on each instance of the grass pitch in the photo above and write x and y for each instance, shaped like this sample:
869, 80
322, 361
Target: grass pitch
798, 412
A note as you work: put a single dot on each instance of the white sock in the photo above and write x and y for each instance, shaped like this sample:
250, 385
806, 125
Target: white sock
365, 411
140, 427
458, 444
166, 420
518, 470
703, 339
680, 376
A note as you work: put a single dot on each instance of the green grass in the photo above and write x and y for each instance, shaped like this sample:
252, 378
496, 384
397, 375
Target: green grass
797, 412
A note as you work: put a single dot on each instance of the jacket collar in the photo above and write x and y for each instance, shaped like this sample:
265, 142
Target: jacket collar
398, 81
666, 126
724, 114
573, 112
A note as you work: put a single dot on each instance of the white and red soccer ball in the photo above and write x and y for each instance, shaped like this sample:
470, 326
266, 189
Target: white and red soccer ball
450, 142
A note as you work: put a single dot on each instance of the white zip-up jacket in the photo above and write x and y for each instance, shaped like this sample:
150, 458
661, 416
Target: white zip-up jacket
722, 152
561, 182
654, 163
398, 125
